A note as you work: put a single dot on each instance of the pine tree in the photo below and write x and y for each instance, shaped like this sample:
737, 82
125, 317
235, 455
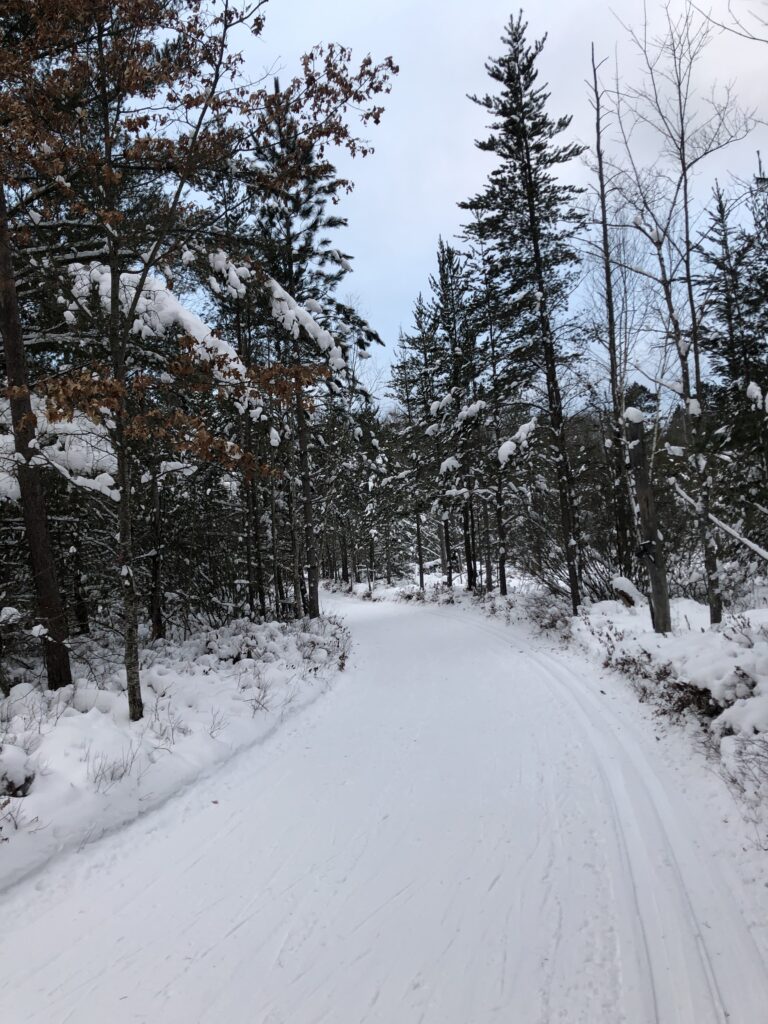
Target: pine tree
531, 215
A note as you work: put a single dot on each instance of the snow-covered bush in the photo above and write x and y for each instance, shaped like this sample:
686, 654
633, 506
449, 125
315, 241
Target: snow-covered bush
546, 611
73, 766
16, 771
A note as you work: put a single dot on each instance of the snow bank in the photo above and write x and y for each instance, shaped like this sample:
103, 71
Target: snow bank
728, 663
718, 673
73, 767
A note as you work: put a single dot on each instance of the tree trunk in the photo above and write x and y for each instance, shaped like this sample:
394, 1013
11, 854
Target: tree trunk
344, 558
502, 536
419, 551
298, 574
260, 588
355, 561
249, 550
487, 550
468, 553
565, 482
473, 544
125, 514
622, 518
276, 569
651, 546
443, 551
78, 594
310, 541
156, 597
130, 601
50, 606
448, 553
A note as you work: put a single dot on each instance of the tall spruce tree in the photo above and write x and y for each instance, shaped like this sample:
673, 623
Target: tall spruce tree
531, 215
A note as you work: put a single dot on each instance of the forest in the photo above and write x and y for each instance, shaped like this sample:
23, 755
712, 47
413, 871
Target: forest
579, 397
358, 675
187, 432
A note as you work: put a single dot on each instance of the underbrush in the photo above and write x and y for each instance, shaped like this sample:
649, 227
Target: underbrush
524, 602
653, 679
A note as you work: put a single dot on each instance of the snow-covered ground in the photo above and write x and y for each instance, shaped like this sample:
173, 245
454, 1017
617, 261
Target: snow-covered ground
72, 765
471, 826
712, 681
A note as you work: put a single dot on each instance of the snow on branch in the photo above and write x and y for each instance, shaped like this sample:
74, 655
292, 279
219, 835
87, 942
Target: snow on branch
294, 317
761, 552
518, 442
755, 396
156, 311
633, 415
78, 449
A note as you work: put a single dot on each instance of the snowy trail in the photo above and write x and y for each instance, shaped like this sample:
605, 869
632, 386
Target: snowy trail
461, 832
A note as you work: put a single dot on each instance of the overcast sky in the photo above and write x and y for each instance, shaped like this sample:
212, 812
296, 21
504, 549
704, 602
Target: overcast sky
425, 160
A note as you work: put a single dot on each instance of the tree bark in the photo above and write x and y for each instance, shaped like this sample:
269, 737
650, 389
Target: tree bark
156, 596
487, 549
298, 575
310, 540
617, 462
501, 533
276, 568
256, 506
651, 546
344, 557
78, 595
565, 481
130, 600
468, 553
419, 551
443, 551
50, 606
448, 553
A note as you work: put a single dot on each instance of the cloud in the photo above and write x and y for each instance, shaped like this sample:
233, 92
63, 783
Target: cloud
425, 160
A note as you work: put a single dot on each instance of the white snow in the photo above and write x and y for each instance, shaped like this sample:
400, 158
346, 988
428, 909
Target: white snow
469, 828
633, 415
78, 449
294, 317
754, 394
506, 451
727, 663
519, 440
626, 587
469, 412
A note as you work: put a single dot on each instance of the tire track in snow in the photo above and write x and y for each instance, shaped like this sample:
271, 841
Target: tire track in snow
461, 834
696, 883
748, 988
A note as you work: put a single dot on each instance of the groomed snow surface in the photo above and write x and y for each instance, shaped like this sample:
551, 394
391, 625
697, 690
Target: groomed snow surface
468, 827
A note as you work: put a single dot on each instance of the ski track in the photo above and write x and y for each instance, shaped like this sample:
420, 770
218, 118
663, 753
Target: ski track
461, 832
